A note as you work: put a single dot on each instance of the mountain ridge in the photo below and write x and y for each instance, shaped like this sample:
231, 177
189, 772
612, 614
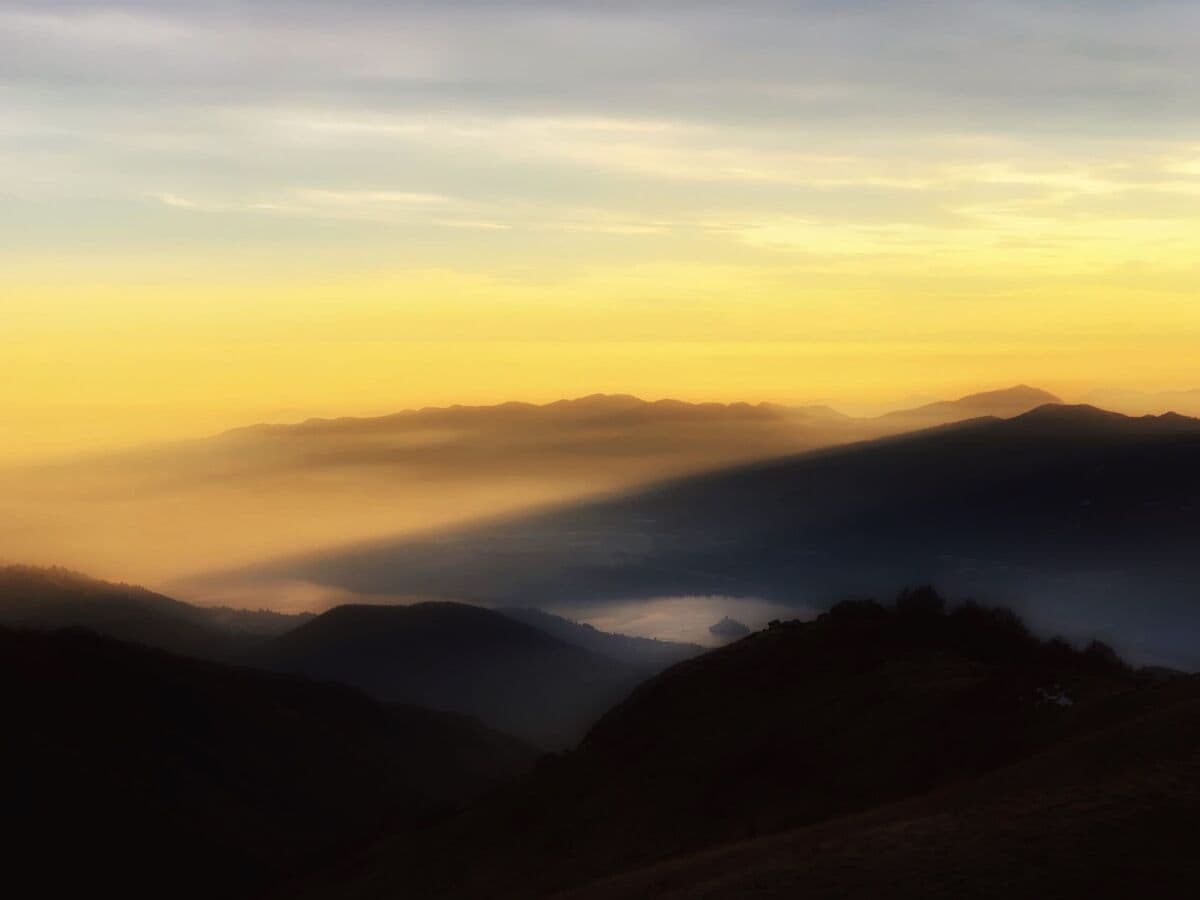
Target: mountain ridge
173, 776
865, 712
462, 658
1005, 506
649, 654
46, 598
1010, 398
995, 402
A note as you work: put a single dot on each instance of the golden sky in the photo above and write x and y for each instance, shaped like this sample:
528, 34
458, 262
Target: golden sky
213, 214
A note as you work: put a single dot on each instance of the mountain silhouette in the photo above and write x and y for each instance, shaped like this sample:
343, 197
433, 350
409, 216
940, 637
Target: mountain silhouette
837, 756
1002, 404
1133, 402
462, 658
48, 598
156, 775
524, 671
594, 408
1085, 519
647, 655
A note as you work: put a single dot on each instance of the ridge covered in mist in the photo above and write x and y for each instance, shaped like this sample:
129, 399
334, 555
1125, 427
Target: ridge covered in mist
1082, 517
522, 671
157, 775
158, 514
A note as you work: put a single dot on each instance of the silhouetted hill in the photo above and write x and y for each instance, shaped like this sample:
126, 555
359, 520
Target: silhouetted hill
834, 726
594, 408
47, 599
1140, 403
539, 675
1002, 404
462, 658
1106, 816
644, 654
138, 773
1086, 519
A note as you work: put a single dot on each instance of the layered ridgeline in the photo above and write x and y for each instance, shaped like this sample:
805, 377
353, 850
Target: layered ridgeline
873, 752
452, 656
159, 513
524, 672
50, 598
1087, 520
643, 654
159, 776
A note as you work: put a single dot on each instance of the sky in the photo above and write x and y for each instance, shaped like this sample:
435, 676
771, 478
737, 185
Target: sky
222, 212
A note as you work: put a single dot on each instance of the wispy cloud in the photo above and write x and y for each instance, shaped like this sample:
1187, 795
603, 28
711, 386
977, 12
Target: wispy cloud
771, 128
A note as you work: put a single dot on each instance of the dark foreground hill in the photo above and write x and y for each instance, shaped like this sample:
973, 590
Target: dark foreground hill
45, 599
132, 772
833, 758
1089, 519
1109, 816
520, 678
462, 658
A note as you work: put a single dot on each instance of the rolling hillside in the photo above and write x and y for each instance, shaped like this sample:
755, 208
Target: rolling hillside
156, 775
45, 599
840, 753
462, 658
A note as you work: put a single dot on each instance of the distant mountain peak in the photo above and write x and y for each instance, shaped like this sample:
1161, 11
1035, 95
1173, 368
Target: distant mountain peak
1005, 402
1021, 393
462, 658
603, 400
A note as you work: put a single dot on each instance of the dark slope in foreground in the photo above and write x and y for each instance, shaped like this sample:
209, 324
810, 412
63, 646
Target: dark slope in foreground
446, 656
1111, 815
806, 724
47, 599
462, 658
147, 774
1091, 516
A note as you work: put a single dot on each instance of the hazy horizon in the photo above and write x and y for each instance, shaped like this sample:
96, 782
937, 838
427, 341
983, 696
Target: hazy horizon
605, 449
160, 514
1132, 402
220, 213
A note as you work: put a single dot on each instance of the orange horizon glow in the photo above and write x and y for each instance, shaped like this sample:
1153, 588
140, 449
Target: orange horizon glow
212, 215
94, 368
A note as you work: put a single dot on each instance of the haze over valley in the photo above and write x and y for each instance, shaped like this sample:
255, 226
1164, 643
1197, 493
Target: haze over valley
560, 450
163, 512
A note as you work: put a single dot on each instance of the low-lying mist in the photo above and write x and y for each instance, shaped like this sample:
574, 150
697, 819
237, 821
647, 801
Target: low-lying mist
160, 514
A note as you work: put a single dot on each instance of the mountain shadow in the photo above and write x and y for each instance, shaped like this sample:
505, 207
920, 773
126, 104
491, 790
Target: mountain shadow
1082, 518
169, 512
148, 774
862, 739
